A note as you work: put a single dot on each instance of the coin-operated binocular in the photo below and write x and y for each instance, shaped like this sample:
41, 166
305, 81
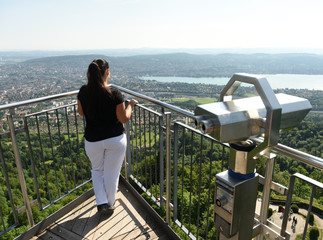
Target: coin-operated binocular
236, 122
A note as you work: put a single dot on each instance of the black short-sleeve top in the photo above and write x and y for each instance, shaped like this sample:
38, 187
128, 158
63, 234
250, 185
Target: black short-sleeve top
104, 124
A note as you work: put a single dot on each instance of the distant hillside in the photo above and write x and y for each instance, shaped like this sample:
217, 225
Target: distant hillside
75, 61
190, 65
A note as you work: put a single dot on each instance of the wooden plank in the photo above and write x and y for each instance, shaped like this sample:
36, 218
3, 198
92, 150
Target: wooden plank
124, 219
141, 233
49, 235
34, 238
83, 217
148, 210
132, 234
130, 220
109, 225
69, 219
92, 223
57, 215
64, 233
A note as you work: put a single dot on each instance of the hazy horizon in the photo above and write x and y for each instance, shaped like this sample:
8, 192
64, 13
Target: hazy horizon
150, 51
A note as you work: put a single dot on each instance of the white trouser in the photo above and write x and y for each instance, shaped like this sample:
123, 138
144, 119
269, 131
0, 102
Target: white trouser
106, 157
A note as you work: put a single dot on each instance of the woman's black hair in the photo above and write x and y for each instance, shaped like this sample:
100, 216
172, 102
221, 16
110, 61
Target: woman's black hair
96, 88
96, 71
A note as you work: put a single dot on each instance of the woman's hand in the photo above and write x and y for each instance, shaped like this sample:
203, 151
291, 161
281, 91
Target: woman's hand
133, 102
123, 113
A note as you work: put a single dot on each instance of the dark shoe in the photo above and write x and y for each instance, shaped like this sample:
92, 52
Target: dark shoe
103, 208
110, 210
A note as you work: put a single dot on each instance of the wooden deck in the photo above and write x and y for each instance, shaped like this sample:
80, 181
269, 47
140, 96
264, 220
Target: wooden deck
130, 220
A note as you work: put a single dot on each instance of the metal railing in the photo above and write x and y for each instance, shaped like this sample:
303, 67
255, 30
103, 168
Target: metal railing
41, 145
166, 159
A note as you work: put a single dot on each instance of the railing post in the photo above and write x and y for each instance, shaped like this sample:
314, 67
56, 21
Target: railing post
175, 170
168, 168
6, 176
266, 192
19, 167
127, 161
33, 167
161, 160
309, 212
287, 205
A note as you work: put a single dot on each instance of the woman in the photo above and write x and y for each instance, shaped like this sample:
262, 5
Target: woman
105, 141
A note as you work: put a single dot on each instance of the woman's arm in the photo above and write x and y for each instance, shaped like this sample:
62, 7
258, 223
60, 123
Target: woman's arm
79, 108
123, 113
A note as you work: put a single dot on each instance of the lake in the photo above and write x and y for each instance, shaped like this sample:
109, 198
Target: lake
295, 81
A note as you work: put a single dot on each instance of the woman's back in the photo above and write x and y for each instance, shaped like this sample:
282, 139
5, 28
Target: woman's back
100, 113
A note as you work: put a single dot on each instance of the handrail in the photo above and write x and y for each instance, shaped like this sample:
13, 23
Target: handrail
37, 100
155, 101
61, 95
296, 154
285, 150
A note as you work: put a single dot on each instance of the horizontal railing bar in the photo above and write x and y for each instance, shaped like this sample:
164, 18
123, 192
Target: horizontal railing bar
142, 187
23, 208
274, 186
185, 230
155, 101
67, 94
276, 228
199, 132
49, 110
287, 151
309, 180
296, 154
9, 228
149, 110
39, 227
256, 229
7, 134
66, 194
37, 100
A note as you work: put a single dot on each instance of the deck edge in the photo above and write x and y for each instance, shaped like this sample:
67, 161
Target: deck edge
35, 230
168, 230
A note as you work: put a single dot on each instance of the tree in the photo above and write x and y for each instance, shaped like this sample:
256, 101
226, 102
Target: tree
294, 207
314, 233
270, 212
311, 221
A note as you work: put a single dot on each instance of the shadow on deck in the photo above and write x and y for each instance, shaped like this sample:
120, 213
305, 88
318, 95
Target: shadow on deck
80, 220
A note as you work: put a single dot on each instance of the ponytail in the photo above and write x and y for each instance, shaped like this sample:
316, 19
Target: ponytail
96, 86
94, 75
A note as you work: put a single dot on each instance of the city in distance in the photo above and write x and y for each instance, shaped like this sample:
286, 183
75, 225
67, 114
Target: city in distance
42, 76
66, 73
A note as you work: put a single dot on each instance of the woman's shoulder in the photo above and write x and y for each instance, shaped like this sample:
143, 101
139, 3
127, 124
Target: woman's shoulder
114, 89
83, 88
116, 93
82, 91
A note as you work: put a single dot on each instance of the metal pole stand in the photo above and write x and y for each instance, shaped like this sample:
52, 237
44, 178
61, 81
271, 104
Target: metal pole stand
236, 195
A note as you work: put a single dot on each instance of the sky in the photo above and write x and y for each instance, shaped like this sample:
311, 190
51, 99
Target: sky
131, 24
